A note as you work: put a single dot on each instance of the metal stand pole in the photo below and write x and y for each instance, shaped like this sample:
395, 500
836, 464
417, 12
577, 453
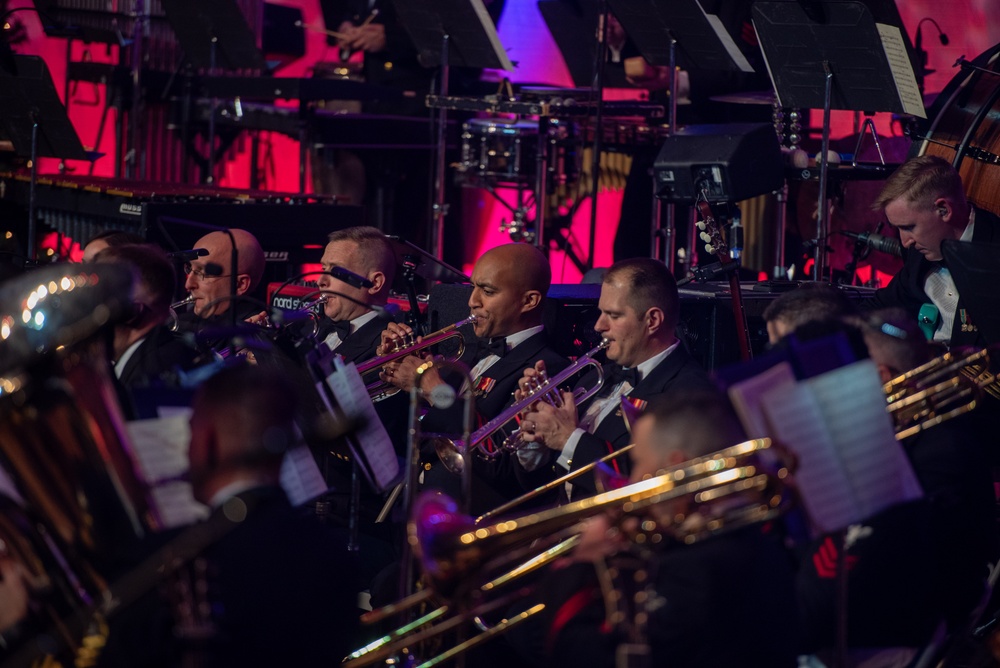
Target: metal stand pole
440, 209
823, 214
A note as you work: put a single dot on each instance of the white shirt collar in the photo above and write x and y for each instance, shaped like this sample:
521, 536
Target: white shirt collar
646, 367
126, 356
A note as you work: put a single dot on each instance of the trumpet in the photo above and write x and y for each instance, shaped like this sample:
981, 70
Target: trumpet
453, 453
172, 317
310, 309
411, 347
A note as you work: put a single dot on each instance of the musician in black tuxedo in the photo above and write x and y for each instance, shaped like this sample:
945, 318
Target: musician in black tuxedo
209, 281
925, 201
639, 308
508, 287
145, 351
261, 583
351, 326
738, 584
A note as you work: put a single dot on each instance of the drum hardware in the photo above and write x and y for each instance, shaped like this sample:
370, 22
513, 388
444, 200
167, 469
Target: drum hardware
453, 454
939, 390
411, 347
732, 488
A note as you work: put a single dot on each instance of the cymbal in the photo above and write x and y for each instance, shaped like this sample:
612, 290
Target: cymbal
748, 97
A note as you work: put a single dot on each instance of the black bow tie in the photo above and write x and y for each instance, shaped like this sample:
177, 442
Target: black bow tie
341, 327
495, 346
614, 374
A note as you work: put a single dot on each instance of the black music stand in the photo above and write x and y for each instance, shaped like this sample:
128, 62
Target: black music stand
416, 262
446, 33
676, 33
572, 25
832, 54
214, 35
34, 119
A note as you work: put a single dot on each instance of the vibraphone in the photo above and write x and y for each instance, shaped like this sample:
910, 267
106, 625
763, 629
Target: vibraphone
290, 227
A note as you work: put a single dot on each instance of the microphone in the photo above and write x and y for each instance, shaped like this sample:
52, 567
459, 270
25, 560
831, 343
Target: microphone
922, 55
348, 277
188, 255
877, 242
213, 269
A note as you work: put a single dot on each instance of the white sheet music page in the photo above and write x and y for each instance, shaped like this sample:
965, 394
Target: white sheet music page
300, 476
796, 421
902, 70
854, 408
747, 397
161, 446
352, 397
850, 464
727, 41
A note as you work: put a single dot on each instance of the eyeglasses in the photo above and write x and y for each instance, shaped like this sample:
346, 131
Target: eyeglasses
200, 273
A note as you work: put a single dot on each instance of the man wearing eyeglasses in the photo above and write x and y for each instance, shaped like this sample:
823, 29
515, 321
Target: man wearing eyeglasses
209, 281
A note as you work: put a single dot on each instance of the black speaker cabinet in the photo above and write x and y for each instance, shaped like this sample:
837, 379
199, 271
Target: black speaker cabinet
729, 163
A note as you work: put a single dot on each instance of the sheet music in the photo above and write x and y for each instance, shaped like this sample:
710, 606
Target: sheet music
747, 397
727, 41
300, 476
352, 397
850, 464
854, 408
902, 70
491, 32
767, 65
796, 421
161, 448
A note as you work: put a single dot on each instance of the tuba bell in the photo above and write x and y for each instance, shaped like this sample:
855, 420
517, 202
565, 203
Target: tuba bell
63, 442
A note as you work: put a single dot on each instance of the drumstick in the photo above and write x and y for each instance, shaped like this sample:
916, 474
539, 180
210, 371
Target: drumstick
371, 17
331, 33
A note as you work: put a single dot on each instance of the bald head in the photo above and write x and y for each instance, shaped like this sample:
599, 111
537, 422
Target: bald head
211, 290
509, 286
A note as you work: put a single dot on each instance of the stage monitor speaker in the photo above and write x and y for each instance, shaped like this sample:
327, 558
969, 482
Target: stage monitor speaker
728, 163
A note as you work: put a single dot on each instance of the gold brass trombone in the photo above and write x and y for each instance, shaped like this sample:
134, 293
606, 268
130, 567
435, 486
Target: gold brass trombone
453, 453
945, 387
732, 488
411, 347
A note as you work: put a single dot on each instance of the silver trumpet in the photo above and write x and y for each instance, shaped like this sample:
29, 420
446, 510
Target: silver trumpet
310, 309
172, 319
453, 453
411, 347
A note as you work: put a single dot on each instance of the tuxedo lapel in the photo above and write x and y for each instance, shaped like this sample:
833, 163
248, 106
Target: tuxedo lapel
360, 346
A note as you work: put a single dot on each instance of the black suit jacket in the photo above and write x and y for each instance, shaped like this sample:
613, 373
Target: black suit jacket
493, 481
160, 353
906, 289
741, 582
679, 371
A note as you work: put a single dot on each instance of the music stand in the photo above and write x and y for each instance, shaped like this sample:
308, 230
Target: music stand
676, 33
446, 33
832, 54
214, 35
415, 262
572, 26
34, 119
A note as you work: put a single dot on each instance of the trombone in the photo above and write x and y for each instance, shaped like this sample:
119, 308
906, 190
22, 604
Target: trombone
411, 347
732, 488
453, 453
945, 387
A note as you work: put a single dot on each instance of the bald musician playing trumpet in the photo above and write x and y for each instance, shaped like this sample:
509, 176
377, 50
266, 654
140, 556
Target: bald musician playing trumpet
509, 284
639, 308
